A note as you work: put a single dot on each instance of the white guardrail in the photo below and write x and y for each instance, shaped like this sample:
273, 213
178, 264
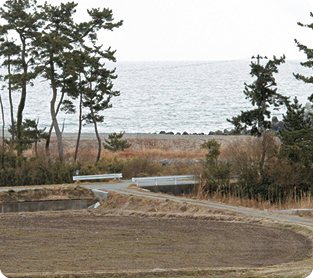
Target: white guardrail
164, 178
97, 177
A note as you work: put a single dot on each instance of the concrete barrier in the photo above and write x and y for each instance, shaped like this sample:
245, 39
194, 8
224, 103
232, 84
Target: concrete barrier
46, 205
102, 195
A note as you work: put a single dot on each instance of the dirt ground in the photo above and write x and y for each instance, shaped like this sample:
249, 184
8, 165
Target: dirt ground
58, 192
82, 241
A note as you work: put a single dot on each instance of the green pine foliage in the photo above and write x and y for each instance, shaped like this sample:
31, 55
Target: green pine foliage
262, 94
213, 148
309, 54
30, 134
115, 143
297, 135
297, 146
295, 117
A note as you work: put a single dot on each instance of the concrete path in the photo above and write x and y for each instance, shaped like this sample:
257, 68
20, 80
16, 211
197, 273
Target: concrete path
123, 188
110, 186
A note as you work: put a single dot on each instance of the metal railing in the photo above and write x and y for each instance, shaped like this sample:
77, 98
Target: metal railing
97, 177
176, 179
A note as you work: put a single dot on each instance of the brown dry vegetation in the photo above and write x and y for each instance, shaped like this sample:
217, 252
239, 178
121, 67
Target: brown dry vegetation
154, 147
54, 193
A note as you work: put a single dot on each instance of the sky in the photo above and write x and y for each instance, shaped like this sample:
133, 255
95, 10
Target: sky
203, 30
185, 30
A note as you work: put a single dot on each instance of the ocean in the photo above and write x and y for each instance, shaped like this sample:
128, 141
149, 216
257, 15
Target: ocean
168, 96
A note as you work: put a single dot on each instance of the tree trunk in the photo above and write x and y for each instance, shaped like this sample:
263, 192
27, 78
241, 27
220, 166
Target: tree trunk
51, 126
11, 106
2, 112
263, 130
80, 126
22, 100
263, 155
53, 113
36, 139
96, 131
3, 123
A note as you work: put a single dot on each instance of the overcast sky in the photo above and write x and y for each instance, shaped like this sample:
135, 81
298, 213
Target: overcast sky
205, 29
182, 30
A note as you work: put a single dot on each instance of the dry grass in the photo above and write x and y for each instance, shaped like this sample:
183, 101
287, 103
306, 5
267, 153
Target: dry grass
236, 201
55, 193
183, 147
124, 205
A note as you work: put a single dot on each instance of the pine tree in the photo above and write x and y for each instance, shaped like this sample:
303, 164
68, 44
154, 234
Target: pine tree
9, 51
297, 138
33, 134
30, 134
97, 87
20, 17
309, 54
115, 142
54, 40
262, 94
297, 135
295, 118
61, 36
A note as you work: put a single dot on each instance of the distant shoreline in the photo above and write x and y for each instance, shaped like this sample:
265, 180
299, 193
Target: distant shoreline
89, 135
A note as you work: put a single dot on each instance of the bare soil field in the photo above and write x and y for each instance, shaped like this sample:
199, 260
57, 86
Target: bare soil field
102, 243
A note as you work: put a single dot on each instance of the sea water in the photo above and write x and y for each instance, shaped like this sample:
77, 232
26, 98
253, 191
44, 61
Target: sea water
168, 96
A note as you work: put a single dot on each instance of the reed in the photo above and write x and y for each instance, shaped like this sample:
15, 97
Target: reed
303, 200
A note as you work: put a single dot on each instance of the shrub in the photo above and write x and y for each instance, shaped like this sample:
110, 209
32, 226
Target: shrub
140, 166
115, 165
216, 172
115, 142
